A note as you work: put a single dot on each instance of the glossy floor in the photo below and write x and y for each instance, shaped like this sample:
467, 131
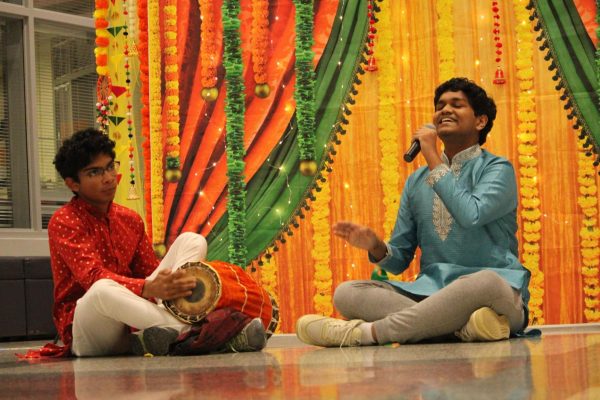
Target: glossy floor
564, 363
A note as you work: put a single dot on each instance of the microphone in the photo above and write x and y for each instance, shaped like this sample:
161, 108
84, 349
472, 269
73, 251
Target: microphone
415, 147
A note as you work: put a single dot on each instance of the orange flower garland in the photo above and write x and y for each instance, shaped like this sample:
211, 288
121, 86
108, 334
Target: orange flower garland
208, 51
528, 161
260, 43
173, 174
143, 56
102, 37
268, 280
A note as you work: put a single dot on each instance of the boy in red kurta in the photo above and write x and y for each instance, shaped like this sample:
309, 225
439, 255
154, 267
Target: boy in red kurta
104, 268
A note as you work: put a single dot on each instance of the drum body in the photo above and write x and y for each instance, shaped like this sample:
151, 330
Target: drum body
218, 285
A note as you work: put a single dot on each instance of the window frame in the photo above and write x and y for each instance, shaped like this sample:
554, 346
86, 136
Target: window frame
32, 241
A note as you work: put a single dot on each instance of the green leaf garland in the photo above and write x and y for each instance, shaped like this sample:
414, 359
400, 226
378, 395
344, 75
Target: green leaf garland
234, 111
305, 79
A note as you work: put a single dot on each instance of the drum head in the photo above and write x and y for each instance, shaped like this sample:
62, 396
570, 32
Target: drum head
204, 298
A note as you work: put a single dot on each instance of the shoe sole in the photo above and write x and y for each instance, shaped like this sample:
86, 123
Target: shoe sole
156, 340
490, 325
300, 332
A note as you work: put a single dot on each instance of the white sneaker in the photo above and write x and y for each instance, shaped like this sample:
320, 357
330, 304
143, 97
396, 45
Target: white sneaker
328, 332
484, 325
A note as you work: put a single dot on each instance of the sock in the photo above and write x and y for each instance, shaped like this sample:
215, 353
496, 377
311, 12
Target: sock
366, 337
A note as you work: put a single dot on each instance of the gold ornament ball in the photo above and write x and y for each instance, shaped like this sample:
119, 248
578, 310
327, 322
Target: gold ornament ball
210, 94
262, 90
308, 167
172, 175
160, 250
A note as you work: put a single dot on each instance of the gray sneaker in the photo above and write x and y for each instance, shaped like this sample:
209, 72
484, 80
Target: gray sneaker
154, 341
252, 338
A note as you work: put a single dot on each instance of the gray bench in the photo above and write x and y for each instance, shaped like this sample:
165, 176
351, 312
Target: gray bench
26, 298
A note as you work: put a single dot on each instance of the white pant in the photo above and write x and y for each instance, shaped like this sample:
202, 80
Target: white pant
105, 313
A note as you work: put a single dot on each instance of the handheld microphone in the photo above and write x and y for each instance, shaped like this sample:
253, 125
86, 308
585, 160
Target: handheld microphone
415, 147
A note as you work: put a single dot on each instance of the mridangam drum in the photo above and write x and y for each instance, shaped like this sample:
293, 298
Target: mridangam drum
220, 284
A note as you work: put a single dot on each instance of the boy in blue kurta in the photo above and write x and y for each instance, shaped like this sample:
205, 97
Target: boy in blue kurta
461, 211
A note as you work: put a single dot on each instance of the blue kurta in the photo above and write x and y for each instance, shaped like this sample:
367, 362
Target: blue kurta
463, 216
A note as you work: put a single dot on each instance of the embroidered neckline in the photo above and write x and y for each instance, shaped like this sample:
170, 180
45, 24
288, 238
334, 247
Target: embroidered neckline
442, 219
461, 158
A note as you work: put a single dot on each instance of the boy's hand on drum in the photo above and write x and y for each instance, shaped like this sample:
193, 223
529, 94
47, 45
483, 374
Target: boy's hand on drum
169, 285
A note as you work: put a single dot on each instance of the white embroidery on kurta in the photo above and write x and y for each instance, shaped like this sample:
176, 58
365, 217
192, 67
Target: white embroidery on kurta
442, 219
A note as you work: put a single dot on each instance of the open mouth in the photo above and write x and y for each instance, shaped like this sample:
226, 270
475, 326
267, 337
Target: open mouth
444, 121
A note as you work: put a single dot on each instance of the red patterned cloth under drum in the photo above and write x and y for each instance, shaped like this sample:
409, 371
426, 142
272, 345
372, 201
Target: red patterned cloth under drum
220, 284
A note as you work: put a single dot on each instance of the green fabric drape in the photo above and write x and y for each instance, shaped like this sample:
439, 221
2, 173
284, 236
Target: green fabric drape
573, 56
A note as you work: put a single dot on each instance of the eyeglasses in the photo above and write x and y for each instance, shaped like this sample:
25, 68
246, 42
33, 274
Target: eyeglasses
98, 172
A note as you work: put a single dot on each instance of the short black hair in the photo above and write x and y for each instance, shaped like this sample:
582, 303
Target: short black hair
481, 103
79, 151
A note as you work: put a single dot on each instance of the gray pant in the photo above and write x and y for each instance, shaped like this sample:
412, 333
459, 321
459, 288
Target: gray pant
404, 318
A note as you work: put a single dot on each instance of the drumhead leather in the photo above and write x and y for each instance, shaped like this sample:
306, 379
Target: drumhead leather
204, 298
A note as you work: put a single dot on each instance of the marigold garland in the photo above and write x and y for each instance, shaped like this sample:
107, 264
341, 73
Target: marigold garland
145, 112
445, 39
102, 37
321, 251
260, 42
305, 79
528, 162
386, 122
268, 280
171, 90
589, 234
208, 45
234, 110
156, 136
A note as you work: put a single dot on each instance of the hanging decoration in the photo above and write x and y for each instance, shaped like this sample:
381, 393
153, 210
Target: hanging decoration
305, 86
528, 162
104, 103
268, 280
499, 78
260, 42
234, 111
156, 136
132, 193
102, 37
372, 62
208, 51
172, 172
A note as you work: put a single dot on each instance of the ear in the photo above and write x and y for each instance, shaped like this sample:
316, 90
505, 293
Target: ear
71, 184
482, 121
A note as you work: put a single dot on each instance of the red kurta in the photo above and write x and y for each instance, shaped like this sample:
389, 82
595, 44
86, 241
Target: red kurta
87, 245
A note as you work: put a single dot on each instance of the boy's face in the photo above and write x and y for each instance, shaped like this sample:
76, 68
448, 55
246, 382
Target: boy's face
455, 119
97, 182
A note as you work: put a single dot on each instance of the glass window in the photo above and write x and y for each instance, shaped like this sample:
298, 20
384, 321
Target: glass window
66, 98
84, 8
14, 183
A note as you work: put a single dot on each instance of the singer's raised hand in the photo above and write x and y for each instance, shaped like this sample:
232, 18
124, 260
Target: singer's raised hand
361, 237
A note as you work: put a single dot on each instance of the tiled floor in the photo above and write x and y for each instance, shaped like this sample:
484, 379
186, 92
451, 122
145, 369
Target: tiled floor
563, 364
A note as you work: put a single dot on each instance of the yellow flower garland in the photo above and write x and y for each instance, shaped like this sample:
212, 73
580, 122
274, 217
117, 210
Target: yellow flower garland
172, 79
156, 146
321, 252
268, 280
445, 39
528, 162
386, 123
589, 234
